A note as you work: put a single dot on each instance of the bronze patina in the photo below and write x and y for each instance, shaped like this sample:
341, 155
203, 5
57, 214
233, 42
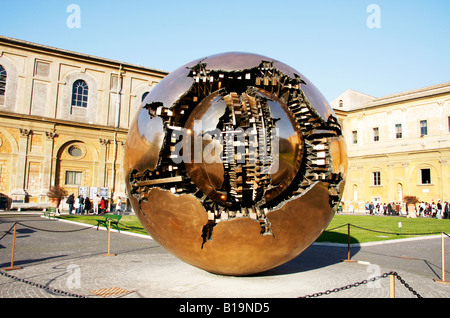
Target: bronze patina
235, 163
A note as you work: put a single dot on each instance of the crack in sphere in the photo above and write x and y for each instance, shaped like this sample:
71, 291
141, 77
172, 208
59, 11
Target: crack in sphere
235, 163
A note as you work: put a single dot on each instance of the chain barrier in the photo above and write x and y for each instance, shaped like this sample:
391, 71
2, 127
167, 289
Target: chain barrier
39, 229
7, 232
401, 280
335, 228
383, 232
362, 228
357, 284
47, 288
53, 231
23, 280
363, 282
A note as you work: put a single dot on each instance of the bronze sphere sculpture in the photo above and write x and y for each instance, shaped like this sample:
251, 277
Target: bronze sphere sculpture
235, 163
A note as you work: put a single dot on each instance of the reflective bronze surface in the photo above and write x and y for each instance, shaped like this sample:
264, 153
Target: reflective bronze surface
235, 163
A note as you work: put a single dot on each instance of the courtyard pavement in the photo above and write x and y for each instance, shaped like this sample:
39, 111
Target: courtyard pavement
59, 257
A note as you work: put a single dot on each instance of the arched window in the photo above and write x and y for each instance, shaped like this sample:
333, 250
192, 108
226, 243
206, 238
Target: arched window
3, 76
341, 103
144, 96
80, 93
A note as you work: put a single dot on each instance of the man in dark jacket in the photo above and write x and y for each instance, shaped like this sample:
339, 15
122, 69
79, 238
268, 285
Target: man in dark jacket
446, 210
70, 201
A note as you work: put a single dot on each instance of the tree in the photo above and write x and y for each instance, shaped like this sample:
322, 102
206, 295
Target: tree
410, 199
56, 193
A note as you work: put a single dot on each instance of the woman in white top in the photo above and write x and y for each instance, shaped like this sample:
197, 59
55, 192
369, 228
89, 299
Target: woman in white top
77, 204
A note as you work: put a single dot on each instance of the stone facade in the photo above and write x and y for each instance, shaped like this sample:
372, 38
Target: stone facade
398, 145
48, 139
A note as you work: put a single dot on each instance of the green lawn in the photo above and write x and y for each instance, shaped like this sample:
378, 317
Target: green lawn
379, 228
127, 223
388, 224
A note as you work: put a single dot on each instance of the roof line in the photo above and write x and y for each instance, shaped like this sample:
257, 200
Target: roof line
437, 89
413, 91
10, 40
350, 89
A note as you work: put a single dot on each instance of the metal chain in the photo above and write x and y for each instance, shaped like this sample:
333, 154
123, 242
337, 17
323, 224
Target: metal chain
337, 227
357, 284
54, 231
44, 230
363, 282
49, 289
7, 232
401, 280
362, 228
383, 232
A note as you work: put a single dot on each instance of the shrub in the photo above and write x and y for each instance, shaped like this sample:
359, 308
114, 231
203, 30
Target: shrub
410, 199
56, 193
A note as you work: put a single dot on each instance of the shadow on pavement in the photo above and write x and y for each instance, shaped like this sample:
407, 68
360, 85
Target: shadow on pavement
30, 261
316, 256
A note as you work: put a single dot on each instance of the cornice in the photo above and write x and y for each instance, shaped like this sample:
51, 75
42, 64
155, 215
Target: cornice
61, 122
40, 48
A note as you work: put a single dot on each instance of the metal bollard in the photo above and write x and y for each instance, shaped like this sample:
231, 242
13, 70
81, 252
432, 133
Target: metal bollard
109, 240
348, 260
12, 267
443, 281
391, 286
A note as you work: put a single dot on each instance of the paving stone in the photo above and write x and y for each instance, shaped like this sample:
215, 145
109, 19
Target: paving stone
69, 257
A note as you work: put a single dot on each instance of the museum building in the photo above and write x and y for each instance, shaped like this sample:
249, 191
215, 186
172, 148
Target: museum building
64, 118
398, 145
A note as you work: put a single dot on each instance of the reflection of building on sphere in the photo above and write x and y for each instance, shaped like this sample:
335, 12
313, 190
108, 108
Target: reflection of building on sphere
275, 143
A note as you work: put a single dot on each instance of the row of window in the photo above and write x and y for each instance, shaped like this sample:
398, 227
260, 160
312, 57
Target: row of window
398, 131
80, 90
424, 177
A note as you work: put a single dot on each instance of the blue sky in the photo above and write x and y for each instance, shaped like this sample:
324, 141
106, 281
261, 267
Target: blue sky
328, 41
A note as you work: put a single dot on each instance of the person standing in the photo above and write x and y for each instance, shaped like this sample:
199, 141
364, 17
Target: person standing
81, 204
371, 207
87, 205
119, 205
70, 201
102, 205
96, 203
439, 209
433, 209
446, 210
76, 205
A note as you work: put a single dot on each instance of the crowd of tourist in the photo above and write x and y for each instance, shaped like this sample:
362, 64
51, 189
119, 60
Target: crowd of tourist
98, 205
438, 210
